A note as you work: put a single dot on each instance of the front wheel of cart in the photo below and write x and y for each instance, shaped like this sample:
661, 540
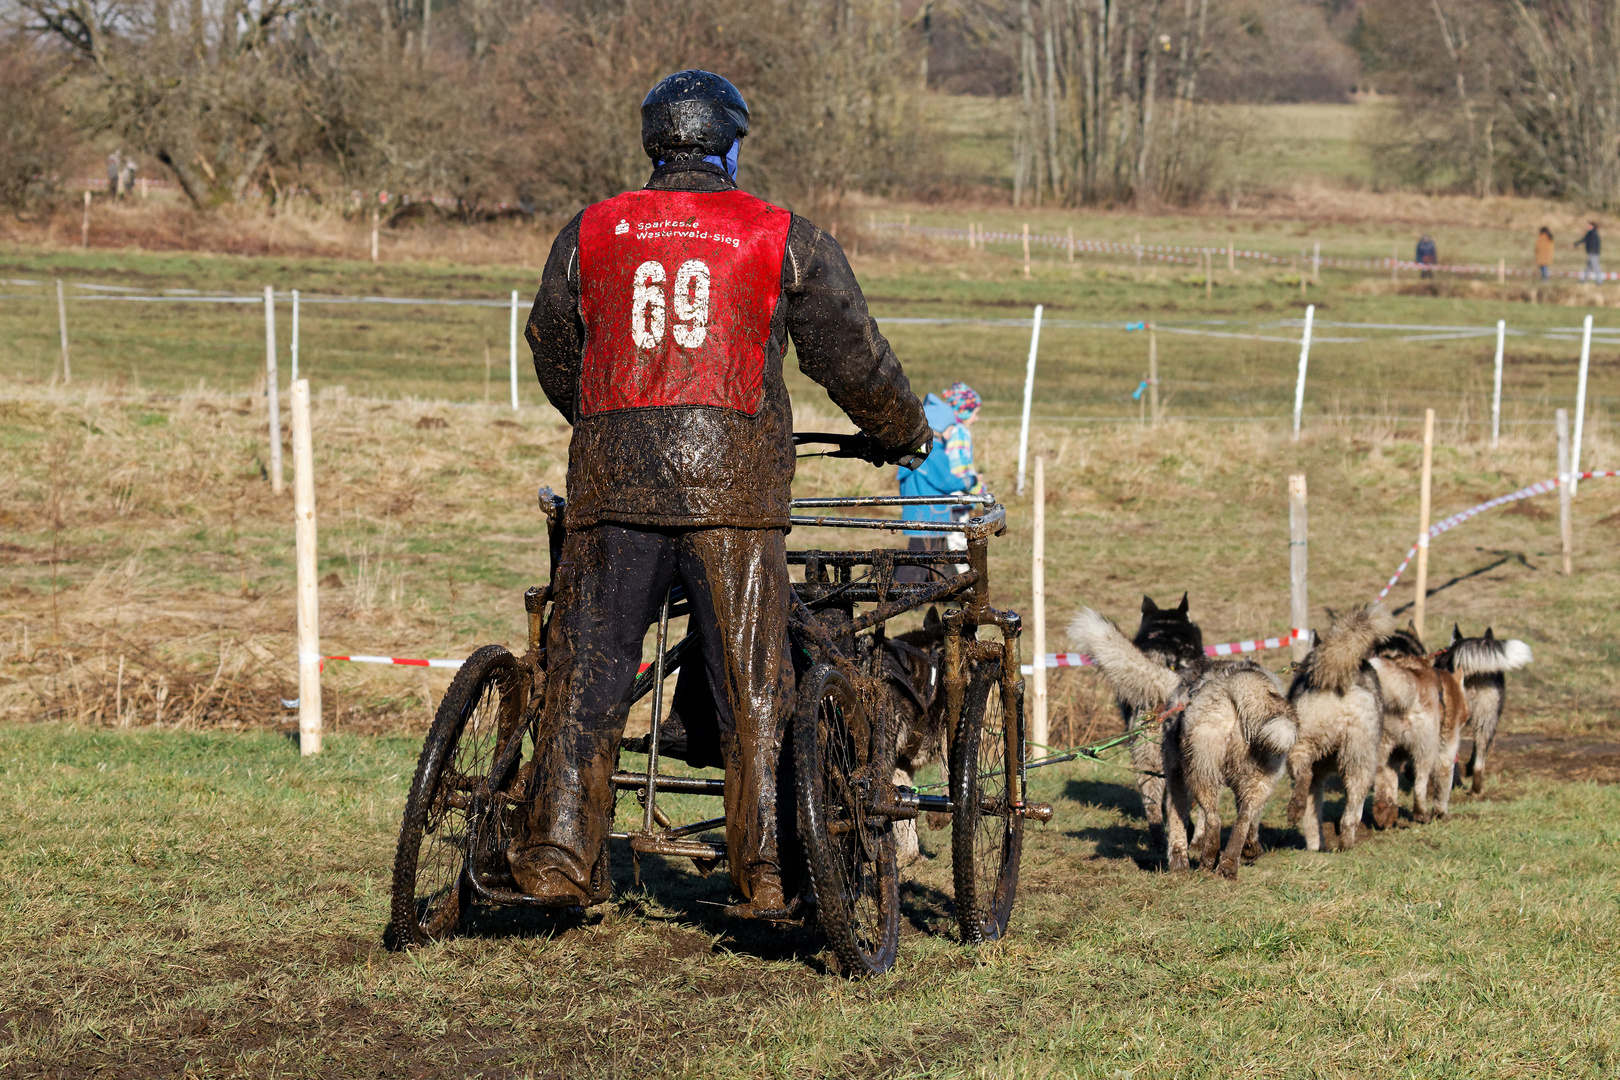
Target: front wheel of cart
987, 836
850, 851
449, 799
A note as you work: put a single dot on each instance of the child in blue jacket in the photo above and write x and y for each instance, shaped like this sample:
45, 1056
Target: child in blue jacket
947, 471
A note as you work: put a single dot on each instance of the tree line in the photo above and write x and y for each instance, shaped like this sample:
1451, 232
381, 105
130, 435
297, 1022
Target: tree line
533, 103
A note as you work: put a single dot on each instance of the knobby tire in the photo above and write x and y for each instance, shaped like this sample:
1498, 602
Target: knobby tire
854, 873
449, 798
987, 839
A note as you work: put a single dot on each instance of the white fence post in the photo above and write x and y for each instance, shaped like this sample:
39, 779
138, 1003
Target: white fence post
293, 345
272, 379
1298, 549
309, 611
1496, 391
61, 322
1566, 526
1304, 361
1029, 390
1038, 727
513, 349
1423, 521
1580, 409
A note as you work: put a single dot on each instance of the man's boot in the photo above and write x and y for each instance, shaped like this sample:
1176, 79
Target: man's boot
766, 899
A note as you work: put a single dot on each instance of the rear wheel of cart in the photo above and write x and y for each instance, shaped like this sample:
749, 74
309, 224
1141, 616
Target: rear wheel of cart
987, 837
449, 799
850, 851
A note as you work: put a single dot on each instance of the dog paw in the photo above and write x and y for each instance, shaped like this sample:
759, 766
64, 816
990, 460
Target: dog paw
1384, 814
1179, 863
1253, 850
1227, 868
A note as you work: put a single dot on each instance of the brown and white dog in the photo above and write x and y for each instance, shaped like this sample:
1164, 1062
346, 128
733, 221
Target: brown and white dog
1234, 728
1340, 706
1424, 714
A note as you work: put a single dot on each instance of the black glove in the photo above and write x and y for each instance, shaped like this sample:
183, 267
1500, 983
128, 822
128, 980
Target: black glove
913, 459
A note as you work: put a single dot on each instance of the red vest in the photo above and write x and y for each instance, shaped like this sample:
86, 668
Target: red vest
677, 289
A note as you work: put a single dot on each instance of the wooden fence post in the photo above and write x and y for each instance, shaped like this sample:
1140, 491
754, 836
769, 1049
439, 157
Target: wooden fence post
375, 215
1153, 373
272, 379
1231, 258
1038, 728
309, 611
1566, 526
1071, 243
1209, 274
292, 346
1299, 601
84, 226
61, 324
1423, 522
1026, 249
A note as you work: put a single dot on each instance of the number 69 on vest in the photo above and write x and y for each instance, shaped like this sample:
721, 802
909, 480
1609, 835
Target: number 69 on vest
691, 298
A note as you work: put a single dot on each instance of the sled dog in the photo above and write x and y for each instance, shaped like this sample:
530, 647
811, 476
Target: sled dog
1234, 727
1424, 714
912, 668
1335, 694
1166, 636
1481, 663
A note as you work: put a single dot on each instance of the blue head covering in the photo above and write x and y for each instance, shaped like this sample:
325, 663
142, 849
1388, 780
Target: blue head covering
728, 163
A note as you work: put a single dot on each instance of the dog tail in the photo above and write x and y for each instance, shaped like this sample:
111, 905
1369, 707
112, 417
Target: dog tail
1337, 658
1266, 718
1138, 681
1481, 656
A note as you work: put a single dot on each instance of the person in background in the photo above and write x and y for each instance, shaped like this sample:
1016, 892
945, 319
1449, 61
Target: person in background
1426, 255
1544, 252
949, 470
1593, 244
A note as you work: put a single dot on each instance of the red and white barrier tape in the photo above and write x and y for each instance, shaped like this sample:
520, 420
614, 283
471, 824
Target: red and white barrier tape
1074, 659
1454, 520
407, 662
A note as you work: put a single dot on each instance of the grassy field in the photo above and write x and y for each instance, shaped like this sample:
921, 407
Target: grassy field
198, 896
1278, 145
212, 905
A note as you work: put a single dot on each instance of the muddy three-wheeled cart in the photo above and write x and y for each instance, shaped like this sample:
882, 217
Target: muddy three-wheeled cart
471, 792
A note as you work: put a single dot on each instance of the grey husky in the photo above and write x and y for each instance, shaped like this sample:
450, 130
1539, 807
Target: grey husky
1340, 706
1225, 722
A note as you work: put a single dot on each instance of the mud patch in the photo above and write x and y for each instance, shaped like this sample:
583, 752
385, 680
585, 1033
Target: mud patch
1561, 757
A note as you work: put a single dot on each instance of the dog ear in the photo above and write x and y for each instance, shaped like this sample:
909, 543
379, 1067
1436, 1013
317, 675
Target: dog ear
931, 620
1489, 634
1183, 608
1332, 617
1456, 633
1148, 606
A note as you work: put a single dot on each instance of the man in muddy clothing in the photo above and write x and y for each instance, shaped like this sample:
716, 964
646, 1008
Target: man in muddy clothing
659, 333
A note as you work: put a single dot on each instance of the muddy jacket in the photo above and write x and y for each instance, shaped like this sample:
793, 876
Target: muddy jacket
659, 333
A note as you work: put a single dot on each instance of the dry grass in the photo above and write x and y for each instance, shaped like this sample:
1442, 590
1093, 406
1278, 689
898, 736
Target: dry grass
147, 537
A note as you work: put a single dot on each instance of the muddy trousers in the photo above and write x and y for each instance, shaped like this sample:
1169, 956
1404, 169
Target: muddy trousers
610, 585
